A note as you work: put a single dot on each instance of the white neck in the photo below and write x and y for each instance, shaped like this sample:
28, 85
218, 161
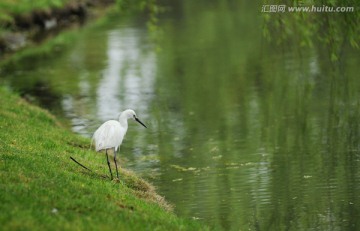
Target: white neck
123, 120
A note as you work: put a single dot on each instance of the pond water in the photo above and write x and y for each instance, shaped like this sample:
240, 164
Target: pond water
242, 134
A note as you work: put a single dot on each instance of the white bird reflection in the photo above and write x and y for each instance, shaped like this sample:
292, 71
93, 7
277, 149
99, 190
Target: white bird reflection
126, 80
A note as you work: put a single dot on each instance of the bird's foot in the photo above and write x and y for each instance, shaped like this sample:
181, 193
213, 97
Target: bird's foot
117, 180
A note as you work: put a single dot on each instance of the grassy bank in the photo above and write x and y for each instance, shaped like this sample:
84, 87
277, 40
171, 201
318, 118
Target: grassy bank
24, 22
11, 8
22, 14
41, 188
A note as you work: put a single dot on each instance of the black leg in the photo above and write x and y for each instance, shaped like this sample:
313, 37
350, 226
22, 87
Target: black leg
108, 162
117, 173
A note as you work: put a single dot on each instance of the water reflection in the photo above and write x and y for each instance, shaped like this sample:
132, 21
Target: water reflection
125, 80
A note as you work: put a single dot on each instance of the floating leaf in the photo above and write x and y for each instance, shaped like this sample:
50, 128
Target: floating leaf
232, 167
180, 168
216, 157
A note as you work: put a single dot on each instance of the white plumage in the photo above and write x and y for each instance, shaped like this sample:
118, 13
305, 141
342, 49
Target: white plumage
111, 134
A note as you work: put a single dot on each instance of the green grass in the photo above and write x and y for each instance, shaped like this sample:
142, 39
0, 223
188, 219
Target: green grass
10, 8
42, 189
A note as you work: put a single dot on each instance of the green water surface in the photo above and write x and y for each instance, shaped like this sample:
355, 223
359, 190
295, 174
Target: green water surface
243, 133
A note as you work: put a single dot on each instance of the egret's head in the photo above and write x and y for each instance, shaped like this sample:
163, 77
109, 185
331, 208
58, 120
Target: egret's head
130, 114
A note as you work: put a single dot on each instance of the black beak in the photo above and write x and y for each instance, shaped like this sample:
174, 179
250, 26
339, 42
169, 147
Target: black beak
137, 120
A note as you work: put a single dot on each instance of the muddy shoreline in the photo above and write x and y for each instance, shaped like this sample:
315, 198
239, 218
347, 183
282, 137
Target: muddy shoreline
29, 28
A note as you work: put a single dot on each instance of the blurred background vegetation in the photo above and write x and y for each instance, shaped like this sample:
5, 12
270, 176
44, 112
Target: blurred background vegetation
335, 30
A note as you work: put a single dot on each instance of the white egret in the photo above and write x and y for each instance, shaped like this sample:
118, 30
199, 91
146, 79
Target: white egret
111, 134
